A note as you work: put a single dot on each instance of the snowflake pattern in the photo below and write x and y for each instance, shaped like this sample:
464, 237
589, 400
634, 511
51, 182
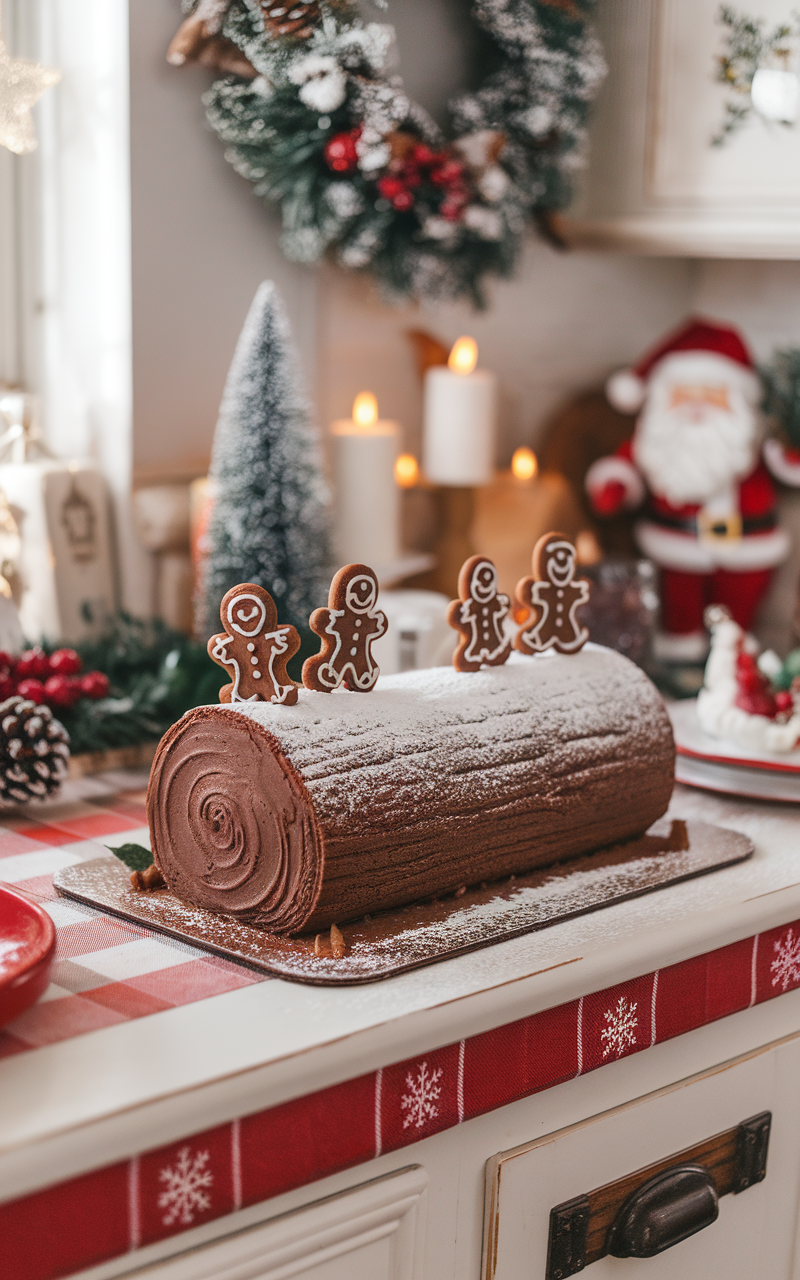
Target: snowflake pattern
185, 1181
786, 965
424, 1091
620, 1030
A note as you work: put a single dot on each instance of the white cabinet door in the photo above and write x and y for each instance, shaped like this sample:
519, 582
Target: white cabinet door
754, 1233
373, 1232
758, 167
655, 183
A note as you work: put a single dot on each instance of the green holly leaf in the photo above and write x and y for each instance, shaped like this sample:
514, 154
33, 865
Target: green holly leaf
134, 856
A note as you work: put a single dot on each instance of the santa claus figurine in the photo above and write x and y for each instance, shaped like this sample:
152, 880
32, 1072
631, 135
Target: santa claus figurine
696, 469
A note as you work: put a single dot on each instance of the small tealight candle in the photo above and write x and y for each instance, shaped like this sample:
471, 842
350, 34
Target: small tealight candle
406, 471
524, 464
459, 419
365, 451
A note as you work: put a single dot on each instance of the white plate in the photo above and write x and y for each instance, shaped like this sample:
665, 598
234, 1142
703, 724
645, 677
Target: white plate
717, 765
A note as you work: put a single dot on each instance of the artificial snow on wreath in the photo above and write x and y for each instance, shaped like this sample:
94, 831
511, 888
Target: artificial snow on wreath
314, 117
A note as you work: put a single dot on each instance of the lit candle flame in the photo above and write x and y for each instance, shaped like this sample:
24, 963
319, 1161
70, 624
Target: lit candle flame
588, 548
464, 355
524, 464
365, 409
406, 471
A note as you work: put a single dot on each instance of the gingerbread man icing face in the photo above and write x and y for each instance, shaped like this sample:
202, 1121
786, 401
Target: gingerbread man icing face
253, 648
361, 594
551, 598
246, 614
559, 562
348, 628
478, 616
483, 582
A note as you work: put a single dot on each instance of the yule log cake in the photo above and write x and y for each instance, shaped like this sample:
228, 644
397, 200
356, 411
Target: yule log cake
298, 817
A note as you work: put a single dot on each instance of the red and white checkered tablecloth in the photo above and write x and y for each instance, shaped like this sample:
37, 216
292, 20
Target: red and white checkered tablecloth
106, 970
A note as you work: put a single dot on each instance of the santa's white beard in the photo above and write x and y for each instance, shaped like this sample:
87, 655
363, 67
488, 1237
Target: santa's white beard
688, 461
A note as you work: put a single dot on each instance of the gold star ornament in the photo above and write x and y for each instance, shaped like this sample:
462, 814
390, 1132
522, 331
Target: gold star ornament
22, 84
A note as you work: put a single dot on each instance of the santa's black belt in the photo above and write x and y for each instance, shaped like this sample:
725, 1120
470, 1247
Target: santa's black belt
722, 527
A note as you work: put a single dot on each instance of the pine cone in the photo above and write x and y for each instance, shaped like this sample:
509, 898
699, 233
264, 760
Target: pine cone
286, 19
199, 39
34, 750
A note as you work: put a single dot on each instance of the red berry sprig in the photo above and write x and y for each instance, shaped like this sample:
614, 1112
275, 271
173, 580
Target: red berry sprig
34, 664
56, 680
340, 151
95, 685
419, 166
443, 173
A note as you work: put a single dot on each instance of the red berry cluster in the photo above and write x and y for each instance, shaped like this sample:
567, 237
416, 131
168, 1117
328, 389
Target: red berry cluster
417, 166
421, 165
755, 694
340, 151
56, 680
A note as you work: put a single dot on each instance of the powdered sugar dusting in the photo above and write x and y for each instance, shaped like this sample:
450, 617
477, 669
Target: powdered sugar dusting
559, 896
454, 739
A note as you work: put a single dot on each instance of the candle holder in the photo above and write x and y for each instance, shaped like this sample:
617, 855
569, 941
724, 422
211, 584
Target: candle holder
455, 511
511, 514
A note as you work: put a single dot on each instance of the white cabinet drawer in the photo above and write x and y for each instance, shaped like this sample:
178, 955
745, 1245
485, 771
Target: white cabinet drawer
373, 1232
754, 1232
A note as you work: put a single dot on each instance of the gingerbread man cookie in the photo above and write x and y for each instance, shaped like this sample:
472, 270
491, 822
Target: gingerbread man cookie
552, 596
253, 648
348, 628
478, 616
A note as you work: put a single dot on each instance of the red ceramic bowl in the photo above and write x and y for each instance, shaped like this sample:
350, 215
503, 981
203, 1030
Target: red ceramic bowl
27, 947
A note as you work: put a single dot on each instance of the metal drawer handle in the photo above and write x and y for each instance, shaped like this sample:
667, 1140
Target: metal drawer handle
652, 1209
669, 1208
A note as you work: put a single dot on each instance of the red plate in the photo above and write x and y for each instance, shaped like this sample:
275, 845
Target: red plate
27, 946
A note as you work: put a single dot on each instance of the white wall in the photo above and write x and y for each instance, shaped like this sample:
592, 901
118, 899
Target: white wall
201, 245
762, 297
563, 323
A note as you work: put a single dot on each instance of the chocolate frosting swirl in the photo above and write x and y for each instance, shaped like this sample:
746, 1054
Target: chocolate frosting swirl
232, 825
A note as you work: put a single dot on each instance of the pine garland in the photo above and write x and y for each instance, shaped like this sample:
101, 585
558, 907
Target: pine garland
155, 674
362, 174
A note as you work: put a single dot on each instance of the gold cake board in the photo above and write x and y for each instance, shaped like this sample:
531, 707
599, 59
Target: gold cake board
391, 942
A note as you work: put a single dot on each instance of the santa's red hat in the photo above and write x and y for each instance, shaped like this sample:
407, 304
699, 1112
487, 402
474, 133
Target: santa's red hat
626, 390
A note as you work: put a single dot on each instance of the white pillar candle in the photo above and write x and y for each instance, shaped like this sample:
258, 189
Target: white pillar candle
459, 420
365, 451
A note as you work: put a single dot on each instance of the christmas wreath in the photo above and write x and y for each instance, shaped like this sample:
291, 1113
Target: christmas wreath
312, 115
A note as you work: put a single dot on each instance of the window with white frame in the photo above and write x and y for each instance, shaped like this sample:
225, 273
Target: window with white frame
65, 291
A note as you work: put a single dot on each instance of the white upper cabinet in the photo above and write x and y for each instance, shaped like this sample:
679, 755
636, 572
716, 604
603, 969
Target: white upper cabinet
655, 183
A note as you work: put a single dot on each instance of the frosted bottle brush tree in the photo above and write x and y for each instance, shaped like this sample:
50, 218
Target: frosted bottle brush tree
315, 118
269, 522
